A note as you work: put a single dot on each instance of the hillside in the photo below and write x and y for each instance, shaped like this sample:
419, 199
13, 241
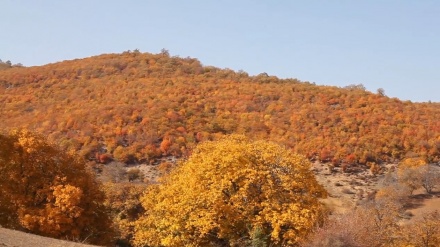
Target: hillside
137, 107
11, 238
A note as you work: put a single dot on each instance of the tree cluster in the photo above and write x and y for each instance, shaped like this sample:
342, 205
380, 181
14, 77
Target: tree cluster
229, 192
8, 64
382, 220
46, 191
137, 107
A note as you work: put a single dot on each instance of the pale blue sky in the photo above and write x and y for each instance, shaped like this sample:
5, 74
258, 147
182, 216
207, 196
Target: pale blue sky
389, 44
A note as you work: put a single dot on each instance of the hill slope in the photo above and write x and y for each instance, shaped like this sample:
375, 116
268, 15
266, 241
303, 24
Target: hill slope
11, 238
137, 107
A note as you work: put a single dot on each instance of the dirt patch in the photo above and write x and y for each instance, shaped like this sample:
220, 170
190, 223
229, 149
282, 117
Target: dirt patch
11, 238
346, 190
422, 204
151, 173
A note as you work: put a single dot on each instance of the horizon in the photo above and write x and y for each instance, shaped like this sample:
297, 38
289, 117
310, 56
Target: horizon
235, 71
391, 45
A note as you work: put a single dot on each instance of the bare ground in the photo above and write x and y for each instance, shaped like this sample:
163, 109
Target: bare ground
422, 204
11, 238
346, 190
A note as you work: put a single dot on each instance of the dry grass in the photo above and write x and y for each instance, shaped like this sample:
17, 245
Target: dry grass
11, 238
346, 190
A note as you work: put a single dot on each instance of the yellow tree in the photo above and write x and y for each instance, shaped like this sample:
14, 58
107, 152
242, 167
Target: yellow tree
48, 191
232, 192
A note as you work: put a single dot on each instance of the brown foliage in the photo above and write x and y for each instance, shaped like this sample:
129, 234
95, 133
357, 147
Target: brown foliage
125, 207
371, 225
424, 232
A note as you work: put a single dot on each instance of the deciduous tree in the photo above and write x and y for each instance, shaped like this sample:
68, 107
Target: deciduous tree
48, 191
424, 232
227, 192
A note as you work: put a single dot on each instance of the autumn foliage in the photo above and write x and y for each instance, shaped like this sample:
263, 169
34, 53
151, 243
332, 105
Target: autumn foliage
232, 192
125, 208
120, 109
137, 107
49, 192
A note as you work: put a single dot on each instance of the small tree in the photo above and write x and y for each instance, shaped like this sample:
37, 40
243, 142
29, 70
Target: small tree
424, 232
411, 178
134, 174
430, 178
381, 91
409, 173
114, 172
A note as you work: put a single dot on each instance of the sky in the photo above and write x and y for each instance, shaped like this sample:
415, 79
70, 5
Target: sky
388, 44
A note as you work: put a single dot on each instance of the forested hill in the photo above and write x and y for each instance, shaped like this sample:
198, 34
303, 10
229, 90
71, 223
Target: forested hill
136, 107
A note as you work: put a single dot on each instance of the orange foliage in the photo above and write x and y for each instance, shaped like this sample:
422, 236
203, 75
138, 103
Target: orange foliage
49, 192
130, 103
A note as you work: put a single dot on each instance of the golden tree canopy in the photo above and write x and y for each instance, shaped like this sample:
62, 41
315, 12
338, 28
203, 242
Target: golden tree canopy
48, 191
232, 192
